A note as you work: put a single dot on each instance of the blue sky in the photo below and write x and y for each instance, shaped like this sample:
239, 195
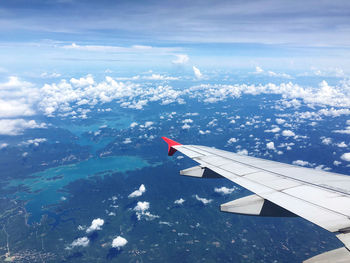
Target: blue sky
288, 35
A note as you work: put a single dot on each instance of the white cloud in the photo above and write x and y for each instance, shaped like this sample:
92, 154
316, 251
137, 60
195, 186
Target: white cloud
232, 140
3, 145
288, 133
134, 124
88, 80
342, 145
96, 224
79, 242
181, 59
345, 131
17, 126
187, 121
204, 132
159, 77
326, 141
280, 121
119, 242
179, 201
127, 141
274, 130
270, 145
197, 72
345, 157
148, 124
301, 163
260, 71
50, 75
141, 210
35, 141
185, 126
243, 152
139, 192
336, 163
203, 200
14, 108
224, 190
141, 206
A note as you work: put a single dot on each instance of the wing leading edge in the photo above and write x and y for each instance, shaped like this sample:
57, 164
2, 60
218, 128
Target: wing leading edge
320, 197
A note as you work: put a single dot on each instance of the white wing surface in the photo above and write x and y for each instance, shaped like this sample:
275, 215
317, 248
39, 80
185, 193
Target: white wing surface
280, 189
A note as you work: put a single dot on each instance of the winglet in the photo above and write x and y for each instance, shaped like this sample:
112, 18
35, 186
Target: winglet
170, 143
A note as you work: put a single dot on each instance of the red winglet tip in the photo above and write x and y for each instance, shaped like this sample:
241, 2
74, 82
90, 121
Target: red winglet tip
170, 143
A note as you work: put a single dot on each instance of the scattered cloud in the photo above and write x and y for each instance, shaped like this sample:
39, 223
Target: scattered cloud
141, 210
79, 242
326, 141
345, 157
242, 152
269, 73
197, 72
17, 126
288, 133
179, 201
96, 224
139, 192
270, 145
232, 140
203, 200
119, 242
224, 190
301, 163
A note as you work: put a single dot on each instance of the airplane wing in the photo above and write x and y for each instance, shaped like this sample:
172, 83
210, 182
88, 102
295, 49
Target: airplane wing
320, 197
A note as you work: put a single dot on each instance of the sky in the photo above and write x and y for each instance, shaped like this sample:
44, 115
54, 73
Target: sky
65, 34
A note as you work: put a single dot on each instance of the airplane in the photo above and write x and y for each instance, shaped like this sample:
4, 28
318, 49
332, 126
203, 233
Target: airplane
281, 190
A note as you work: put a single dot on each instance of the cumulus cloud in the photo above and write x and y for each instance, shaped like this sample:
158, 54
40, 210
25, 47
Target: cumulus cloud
243, 152
326, 141
203, 200
224, 190
288, 133
17, 126
81, 82
181, 59
141, 210
232, 140
274, 129
96, 224
204, 132
345, 157
270, 145
139, 192
127, 141
260, 71
35, 141
280, 121
179, 201
185, 126
301, 163
342, 145
79, 242
197, 72
119, 242
133, 124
